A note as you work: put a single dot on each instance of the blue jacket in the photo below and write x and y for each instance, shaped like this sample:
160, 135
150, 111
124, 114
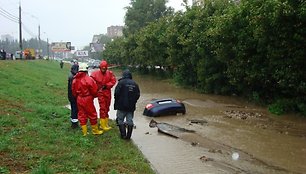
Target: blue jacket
126, 93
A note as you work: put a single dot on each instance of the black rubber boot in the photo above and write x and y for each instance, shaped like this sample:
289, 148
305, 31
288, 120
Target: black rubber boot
122, 131
117, 122
75, 125
129, 133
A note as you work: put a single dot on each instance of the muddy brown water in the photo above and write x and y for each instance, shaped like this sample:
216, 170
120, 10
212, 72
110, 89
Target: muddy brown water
265, 143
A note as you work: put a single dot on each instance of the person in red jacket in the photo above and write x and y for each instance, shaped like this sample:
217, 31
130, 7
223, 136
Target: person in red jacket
105, 80
85, 90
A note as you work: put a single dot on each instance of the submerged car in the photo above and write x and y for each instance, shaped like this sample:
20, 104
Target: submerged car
161, 107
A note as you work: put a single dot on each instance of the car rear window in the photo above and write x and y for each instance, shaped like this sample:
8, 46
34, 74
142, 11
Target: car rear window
164, 102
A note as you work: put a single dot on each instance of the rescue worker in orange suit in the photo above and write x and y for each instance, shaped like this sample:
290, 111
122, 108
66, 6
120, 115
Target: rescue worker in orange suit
105, 80
85, 90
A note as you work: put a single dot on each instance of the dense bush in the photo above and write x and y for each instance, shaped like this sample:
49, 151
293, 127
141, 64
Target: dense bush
254, 49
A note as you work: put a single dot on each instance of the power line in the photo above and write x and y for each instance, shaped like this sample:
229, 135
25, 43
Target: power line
8, 17
15, 19
8, 14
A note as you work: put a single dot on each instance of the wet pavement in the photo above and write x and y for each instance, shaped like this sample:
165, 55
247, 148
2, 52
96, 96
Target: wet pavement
231, 136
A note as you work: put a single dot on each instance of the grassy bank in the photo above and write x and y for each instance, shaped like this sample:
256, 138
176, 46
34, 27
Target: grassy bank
35, 128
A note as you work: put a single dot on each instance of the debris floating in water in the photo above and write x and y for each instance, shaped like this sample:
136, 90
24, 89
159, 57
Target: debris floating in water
197, 121
205, 159
169, 129
235, 156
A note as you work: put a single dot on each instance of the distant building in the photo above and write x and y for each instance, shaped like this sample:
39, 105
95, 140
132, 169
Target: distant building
95, 45
114, 31
7, 37
95, 39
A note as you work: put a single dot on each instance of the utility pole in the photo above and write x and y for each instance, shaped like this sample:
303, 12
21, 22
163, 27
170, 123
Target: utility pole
48, 47
39, 43
20, 31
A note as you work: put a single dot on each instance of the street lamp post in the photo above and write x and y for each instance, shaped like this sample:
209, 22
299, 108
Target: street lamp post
39, 41
48, 46
20, 31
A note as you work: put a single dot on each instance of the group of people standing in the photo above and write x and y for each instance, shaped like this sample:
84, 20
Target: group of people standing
83, 88
4, 55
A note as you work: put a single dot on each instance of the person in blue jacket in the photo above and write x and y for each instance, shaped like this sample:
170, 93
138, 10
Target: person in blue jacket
126, 95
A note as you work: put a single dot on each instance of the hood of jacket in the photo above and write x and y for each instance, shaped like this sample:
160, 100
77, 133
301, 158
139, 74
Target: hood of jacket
74, 69
127, 74
103, 64
80, 74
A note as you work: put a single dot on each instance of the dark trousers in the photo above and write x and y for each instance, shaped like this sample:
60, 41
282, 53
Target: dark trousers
74, 111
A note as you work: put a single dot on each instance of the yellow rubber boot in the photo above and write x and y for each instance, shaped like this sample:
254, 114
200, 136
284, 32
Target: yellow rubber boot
95, 130
84, 130
106, 124
103, 124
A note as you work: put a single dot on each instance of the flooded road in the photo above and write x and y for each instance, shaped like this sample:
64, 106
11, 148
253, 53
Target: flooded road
231, 136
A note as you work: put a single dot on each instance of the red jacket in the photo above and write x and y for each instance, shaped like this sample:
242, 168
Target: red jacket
83, 86
108, 80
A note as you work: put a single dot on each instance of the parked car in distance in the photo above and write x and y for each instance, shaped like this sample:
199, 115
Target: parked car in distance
94, 64
161, 107
18, 54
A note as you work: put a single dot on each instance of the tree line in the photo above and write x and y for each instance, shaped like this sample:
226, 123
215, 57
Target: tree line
255, 49
13, 46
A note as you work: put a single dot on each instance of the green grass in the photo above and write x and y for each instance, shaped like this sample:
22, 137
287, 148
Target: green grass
35, 128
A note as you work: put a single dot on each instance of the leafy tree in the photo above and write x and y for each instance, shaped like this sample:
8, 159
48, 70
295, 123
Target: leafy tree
252, 48
151, 49
139, 14
180, 48
104, 39
114, 52
142, 12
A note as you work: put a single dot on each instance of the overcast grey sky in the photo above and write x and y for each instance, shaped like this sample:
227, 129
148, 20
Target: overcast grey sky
64, 20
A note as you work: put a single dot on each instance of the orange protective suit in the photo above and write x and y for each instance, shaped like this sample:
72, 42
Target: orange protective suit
105, 81
85, 90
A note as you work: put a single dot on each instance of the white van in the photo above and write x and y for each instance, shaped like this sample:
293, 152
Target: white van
17, 55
